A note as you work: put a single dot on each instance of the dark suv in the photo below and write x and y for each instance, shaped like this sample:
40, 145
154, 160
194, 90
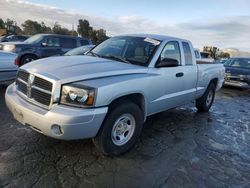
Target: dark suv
43, 45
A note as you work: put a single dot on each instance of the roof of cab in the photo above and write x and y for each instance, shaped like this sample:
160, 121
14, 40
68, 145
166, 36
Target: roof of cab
60, 35
154, 36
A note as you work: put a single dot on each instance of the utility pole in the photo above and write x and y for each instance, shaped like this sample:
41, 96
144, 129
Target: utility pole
73, 29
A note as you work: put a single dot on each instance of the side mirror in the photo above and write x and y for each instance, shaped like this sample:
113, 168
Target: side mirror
167, 62
44, 44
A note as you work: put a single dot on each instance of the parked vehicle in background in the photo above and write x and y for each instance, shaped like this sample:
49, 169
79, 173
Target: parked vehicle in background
43, 45
222, 61
8, 69
108, 93
14, 38
237, 72
202, 58
80, 50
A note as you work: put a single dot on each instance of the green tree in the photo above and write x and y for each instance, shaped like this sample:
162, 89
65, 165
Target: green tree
18, 30
101, 36
10, 25
2, 24
73, 33
58, 29
45, 29
31, 27
83, 28
93, 35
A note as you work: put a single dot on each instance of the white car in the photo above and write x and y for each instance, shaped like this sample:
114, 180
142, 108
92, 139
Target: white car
8, 69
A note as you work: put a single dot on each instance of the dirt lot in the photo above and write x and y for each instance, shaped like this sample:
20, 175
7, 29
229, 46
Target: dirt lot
178, 148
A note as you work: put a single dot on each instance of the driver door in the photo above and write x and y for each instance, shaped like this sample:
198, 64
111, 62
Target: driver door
51, 47
176, 83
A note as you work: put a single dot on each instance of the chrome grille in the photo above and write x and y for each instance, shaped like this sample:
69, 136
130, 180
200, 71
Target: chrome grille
34, 88
23, 75
21, 86
40, 96
43, 84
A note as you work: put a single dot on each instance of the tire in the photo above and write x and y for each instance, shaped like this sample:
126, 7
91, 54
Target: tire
204, 103
27, 58
106, 140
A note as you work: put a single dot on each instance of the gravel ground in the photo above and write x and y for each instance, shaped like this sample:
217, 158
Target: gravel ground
178, 148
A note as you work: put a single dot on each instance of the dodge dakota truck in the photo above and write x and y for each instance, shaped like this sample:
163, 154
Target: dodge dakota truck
108, 93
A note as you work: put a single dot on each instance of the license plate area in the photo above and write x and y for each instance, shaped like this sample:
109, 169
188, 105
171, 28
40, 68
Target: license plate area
18, 115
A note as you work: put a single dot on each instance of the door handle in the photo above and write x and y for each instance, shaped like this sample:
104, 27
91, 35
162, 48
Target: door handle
180, 74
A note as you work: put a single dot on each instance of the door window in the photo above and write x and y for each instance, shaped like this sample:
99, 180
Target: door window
197, 54
84, 42
53, 42
68, 42
171, 51
187, 53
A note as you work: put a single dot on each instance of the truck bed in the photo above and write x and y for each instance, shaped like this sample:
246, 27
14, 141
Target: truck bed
207, 72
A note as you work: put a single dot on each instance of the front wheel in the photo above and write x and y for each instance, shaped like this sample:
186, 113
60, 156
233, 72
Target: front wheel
204, 103
120, 130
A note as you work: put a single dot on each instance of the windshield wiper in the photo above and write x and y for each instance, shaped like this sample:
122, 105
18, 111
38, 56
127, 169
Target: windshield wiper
124, 60
93, 54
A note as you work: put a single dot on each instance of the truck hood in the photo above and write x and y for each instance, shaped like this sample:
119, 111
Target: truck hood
75, 68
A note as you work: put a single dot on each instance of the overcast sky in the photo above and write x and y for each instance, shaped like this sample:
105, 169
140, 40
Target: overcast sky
222, 23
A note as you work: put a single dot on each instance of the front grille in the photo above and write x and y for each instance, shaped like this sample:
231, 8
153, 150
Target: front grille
21, 86
43, 84
34, 88
41, 97
23, 75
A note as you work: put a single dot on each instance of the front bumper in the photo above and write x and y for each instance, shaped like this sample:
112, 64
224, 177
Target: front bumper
75, 123
239, 84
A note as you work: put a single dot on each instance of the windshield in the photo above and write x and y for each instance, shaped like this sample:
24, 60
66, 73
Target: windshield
75, 51
240, 63
127, 49
80, 50
34, 39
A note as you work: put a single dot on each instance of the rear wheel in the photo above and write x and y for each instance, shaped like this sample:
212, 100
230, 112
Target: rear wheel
120, 130
204, 103
27, 58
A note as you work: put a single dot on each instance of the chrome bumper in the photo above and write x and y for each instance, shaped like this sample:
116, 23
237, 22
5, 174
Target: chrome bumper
60, 122
237, 84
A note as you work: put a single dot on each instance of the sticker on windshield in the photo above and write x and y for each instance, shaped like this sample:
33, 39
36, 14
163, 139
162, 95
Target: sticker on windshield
152, 41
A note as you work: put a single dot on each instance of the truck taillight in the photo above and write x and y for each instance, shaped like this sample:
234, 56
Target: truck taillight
17, 62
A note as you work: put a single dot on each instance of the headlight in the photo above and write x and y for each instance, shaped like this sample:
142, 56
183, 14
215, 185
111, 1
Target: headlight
77, 96
9, 47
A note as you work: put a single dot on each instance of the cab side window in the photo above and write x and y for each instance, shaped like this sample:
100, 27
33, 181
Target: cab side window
187, 53
197, 54
68, 42
53, 42
84, 42
171, 51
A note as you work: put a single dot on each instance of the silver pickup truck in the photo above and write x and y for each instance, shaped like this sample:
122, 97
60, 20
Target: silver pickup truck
108, 93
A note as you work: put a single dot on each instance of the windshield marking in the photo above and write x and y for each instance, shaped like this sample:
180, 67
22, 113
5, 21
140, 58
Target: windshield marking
152, 41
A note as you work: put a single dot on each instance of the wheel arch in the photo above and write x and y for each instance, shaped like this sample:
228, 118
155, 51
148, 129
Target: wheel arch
25, 54
214, 81
137, 98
